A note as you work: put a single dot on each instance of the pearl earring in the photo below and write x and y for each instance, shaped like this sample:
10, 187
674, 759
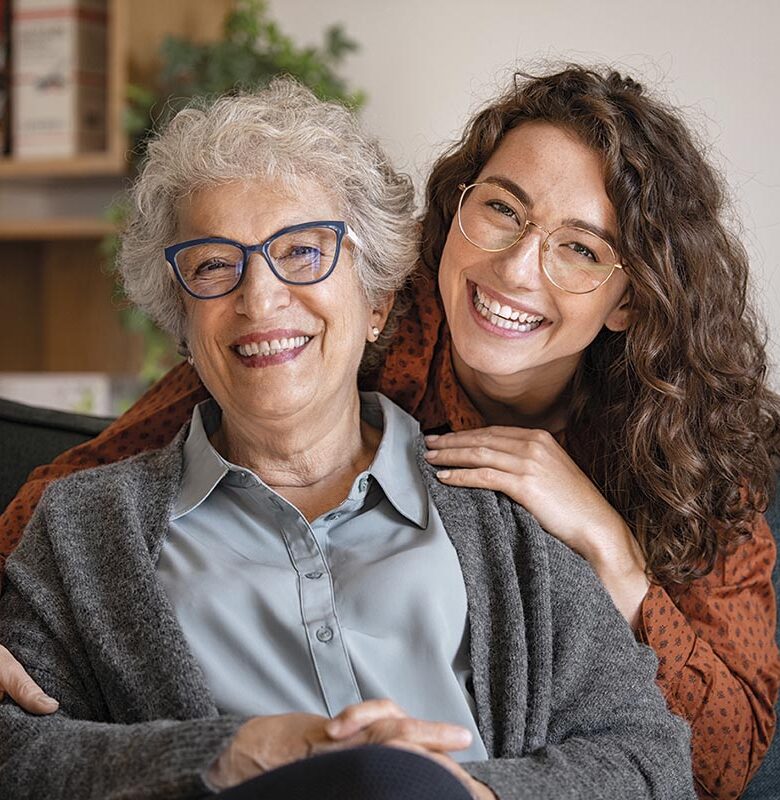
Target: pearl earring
375, 332
191, 361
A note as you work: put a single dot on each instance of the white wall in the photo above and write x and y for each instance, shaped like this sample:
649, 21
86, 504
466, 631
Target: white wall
426, 64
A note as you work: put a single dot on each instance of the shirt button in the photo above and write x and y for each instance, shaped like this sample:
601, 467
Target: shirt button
324, 634
313, 576
362, 484
334, 516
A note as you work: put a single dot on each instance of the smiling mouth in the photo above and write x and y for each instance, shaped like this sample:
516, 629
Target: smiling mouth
504, 316
272, 347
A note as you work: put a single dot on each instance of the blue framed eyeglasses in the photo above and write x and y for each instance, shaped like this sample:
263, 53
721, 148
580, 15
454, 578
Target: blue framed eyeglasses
299, 255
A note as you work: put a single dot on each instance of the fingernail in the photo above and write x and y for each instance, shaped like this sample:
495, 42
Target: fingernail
443, 474
466, 737
430, 453
47, 701
431, 437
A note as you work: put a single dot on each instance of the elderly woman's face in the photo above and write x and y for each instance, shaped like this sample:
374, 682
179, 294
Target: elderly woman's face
271, 349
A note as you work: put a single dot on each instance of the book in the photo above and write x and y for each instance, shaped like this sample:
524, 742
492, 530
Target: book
58, 77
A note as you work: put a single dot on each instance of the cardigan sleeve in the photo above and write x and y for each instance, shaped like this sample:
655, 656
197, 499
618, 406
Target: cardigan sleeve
151, 423
81, 751
719, 666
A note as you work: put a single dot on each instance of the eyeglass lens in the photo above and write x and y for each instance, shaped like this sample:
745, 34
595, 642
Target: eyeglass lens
574, 259
215, 268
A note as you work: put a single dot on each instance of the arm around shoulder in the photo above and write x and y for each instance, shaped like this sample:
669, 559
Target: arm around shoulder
94, 745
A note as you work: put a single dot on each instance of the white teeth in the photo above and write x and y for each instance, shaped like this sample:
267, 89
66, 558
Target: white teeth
266, 348
504, 316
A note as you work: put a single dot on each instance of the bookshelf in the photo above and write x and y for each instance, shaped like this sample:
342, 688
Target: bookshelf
58, 307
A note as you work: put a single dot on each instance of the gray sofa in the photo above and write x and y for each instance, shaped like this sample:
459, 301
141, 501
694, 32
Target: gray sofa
32, 436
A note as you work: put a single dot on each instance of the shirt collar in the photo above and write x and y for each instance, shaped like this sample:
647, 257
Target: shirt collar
203, 467
394, 466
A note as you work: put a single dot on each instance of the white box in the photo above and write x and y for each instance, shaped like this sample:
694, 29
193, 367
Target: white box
82, 392
59, 77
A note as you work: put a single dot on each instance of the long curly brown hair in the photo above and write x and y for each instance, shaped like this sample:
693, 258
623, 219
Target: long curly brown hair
673, 419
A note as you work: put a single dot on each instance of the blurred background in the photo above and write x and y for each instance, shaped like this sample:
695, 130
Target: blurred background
82, 80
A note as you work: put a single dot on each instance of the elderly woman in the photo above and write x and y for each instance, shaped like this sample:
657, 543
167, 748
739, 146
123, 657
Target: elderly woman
213, 613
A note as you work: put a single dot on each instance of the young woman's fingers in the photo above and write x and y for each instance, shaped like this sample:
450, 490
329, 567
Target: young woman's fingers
537, 448
511, 462
484, 478
486, 435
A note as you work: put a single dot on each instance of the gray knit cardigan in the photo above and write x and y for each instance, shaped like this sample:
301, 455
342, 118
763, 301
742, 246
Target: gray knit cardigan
566, 699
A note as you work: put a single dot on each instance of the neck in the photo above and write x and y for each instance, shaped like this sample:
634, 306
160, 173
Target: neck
315, 454
534, 398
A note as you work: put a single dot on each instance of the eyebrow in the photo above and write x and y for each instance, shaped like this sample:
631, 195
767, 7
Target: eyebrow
597, 229
512, 188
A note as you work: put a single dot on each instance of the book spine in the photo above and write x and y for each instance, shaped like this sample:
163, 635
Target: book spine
5, 76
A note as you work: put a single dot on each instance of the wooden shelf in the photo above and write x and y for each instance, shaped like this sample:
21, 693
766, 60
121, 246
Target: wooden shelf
58, 310
53, 229
89, 165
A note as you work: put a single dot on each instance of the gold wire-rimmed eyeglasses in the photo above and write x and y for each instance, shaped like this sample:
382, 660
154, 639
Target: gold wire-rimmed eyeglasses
574, 259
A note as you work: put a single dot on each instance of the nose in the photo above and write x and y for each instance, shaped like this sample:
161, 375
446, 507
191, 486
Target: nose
519, 266
261, 294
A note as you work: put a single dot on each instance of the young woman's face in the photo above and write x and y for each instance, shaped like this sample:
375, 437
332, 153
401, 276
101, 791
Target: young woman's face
561, 182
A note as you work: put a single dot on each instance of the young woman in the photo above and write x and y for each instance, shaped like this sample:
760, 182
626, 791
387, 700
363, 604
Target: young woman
580, 295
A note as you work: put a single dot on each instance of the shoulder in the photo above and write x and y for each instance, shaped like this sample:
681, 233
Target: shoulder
107, 497
136, 470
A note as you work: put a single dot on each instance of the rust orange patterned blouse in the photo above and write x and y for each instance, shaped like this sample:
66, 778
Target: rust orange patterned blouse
719, 666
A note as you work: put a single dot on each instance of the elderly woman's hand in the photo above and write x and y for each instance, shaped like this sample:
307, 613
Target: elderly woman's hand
530, 467
369, 718
264, 743
22, 688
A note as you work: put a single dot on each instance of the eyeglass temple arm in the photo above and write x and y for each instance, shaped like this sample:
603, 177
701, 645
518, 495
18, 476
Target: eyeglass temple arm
352, 235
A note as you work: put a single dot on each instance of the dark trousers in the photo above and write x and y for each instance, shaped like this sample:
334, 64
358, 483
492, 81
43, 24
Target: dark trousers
362, 773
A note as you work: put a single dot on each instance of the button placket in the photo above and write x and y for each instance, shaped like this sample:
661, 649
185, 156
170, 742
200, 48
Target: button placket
315, 588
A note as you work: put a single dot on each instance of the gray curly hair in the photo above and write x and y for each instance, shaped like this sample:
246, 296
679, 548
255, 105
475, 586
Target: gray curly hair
282, 132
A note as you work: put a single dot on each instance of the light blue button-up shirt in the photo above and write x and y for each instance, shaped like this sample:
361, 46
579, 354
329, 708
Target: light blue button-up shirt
367, 601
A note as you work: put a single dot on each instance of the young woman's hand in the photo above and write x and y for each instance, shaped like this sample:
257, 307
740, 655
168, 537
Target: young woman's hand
530, 467
22, 688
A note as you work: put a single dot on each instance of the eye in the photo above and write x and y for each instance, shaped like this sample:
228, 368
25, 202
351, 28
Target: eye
303, 251
581, 250
213, 265
503, 208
